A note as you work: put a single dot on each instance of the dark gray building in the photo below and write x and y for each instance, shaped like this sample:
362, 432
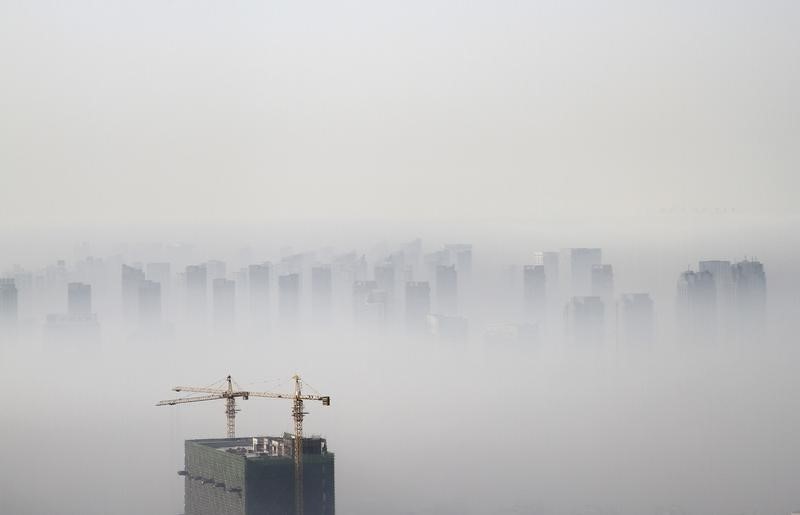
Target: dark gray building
364, 305
8, 303
79, 299
635, 319
255, 476
585, 320
385, 279
131, 277
418, 305
196, 291
259, 283
321, 293
224, 298
697, 307
581, 261
149, 303
750, 298
446, 290
289, 298
602, 283
534, 292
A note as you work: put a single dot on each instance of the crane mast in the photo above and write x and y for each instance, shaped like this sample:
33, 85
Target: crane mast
297, 414
230, 410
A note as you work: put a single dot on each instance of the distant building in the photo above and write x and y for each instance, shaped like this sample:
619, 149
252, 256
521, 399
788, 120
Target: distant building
259, 282
635, 319
289, 298
149, 303
585, 320
511, 334
367, 308
534, 292
196, 291
722, 274
418, 305
581, 262
216, 270
432, 261
551, 271
255, 476
321, 293
79, 299
460, 255
161, 273
750, 299
8, 303
449, 328
131, 277
602, 283
224, 297
385, 280
446, 290
697, 307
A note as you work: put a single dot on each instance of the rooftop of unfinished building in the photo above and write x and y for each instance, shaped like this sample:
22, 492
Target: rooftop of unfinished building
266, 446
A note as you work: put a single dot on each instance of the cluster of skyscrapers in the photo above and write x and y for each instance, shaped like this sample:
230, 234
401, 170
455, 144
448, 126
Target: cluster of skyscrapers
568, 294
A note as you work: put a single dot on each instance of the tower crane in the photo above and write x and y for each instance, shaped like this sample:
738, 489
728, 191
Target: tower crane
297, 399
230, 394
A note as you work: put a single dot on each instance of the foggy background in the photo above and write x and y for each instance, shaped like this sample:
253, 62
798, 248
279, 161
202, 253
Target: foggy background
663, 134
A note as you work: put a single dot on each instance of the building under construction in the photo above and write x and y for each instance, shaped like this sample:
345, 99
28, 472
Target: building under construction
255, 476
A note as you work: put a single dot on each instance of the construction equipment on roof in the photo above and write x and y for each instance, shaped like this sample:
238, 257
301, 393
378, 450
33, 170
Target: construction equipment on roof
229, 394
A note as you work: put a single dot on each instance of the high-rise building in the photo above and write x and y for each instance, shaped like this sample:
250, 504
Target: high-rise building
8, 303
446, 290
216, 270
321, 293
259, 282
364, 303
412, 255
385, 279
448, 328
551, 271
460, 255
418, 305
196, 291
432, 261
131, 277
534, 292
149, 303
581, 261
255, 476
750, 298
289, 298
635, 319
161, 273
79, 299
602, 283
224, 298
722, 274
585, 320
697, 307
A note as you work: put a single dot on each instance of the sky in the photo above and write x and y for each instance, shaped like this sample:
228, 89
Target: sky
190, 112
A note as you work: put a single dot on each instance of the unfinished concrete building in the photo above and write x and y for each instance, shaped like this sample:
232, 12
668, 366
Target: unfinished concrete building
255, 476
